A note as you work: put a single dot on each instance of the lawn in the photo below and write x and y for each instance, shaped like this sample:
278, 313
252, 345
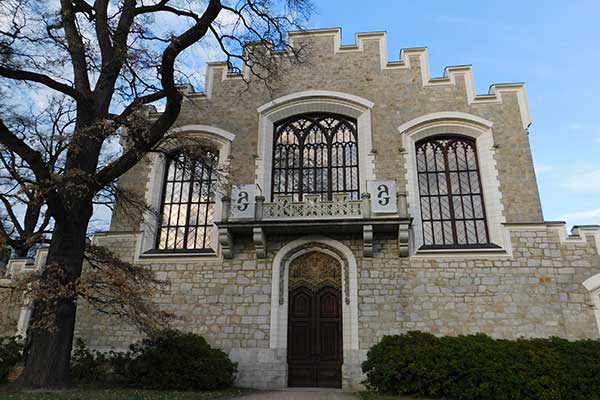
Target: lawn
377, 396
10, 393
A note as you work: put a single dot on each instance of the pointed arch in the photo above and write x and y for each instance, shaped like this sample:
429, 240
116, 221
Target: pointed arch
279, 287
314, 101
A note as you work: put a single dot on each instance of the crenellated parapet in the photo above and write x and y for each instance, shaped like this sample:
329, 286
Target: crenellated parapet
410, 58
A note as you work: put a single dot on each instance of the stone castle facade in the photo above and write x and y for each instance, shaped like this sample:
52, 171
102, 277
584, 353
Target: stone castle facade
370, 199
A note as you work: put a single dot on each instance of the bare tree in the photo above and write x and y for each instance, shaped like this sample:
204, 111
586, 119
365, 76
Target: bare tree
24, 220
109, 58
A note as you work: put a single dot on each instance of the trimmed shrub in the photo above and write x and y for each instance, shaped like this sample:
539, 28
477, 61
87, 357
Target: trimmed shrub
477, 367
170, 360
183, 361
11, 352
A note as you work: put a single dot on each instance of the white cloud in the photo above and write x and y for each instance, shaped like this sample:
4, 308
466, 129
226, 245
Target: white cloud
585, 182
590, 217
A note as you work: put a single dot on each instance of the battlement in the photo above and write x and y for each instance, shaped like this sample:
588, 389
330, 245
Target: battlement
410, 58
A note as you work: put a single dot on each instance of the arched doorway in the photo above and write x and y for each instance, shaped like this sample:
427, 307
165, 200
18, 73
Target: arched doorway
315, 353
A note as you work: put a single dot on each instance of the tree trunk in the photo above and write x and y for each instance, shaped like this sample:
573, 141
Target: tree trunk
48, 352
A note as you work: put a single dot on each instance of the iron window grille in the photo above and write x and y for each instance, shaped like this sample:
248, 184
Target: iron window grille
451, 198
315, 154
188, 203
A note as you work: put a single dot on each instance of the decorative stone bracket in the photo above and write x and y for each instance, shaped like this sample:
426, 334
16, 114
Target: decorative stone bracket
260, 242
403, 237
368, 240
226, 242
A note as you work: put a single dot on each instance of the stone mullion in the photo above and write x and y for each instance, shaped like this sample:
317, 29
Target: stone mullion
439, 196
450, 194
460, 191
188, 205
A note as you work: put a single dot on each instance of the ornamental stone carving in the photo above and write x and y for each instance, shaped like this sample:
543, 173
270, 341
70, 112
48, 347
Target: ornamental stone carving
312, 207
310, 248
315, 270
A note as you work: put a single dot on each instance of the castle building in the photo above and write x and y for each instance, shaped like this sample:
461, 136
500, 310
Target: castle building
368, 199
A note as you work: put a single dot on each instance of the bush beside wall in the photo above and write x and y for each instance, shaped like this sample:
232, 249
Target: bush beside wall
479, 367
11, 352
169, 360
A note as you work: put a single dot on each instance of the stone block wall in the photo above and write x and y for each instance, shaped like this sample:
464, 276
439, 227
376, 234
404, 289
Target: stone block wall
10, 309
536, 292
399, 94
534, 289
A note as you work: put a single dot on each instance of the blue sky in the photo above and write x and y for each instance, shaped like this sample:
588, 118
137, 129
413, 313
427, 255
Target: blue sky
553, 46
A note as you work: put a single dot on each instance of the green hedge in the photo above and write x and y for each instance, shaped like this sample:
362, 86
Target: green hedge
11, 352
479, 367
175, 360
169, 360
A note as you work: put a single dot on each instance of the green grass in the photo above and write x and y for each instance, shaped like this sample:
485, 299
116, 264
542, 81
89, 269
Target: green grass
11, 393
377, 396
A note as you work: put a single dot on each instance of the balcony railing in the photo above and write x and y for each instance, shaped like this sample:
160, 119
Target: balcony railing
312, 207
312, 215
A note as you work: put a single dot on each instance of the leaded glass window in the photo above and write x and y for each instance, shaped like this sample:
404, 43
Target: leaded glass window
188, 205
452, 207
315, 154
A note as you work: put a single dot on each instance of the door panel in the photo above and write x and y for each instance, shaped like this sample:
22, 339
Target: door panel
329, 343
329, 338
315, 338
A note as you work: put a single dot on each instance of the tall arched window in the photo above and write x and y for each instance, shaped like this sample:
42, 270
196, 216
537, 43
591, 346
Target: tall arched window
188, 203
452, 208
315, 154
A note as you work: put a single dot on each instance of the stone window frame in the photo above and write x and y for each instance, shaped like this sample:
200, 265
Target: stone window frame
218, 139
312, 101
279, 290
593, 286
479, 129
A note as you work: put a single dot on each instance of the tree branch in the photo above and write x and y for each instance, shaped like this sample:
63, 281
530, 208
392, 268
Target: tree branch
150, 98
168, 117
113, 57
11, 214
21, 75
102, 30
32, 157
76, 46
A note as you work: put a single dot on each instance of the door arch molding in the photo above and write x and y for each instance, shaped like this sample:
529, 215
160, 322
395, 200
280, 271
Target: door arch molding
279, 288
315, 344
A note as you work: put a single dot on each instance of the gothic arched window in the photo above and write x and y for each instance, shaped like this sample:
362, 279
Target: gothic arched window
315, 154
188, 203
452, 208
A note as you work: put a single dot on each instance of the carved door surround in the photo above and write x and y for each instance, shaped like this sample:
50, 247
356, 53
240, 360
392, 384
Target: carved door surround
290, 259
315, 352
282, 260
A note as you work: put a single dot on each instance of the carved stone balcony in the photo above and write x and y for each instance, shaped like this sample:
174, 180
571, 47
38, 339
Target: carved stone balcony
283, 216
312, 207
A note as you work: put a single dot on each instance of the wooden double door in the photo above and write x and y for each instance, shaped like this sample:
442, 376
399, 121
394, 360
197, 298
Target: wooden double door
315, 337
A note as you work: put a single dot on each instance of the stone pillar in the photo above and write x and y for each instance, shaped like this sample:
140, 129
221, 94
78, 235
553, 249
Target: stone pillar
258, 211
366, 205
402, 205
226, 204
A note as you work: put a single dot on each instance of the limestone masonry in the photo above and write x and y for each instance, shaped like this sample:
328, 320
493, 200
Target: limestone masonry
451, 258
